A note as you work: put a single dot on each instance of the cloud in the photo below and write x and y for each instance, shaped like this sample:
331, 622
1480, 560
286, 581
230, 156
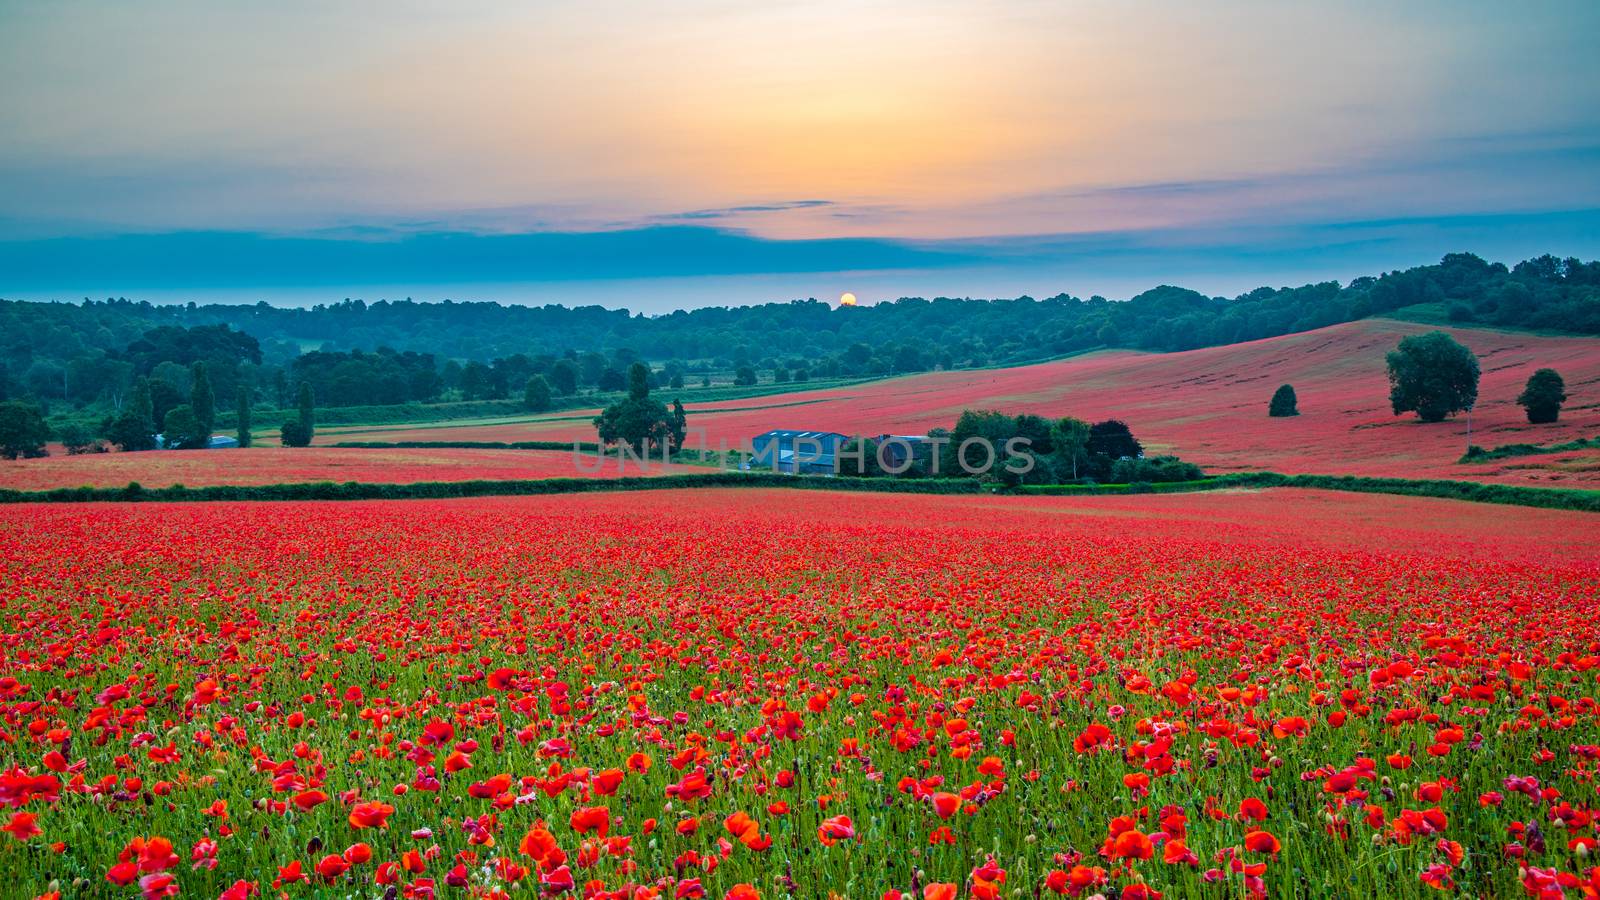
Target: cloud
727, 212
369, 255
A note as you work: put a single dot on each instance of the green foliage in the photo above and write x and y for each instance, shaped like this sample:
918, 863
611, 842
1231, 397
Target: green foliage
1284, 403
1542, 396
202, 401
295, 434
242, 416
23, 431
1476, 454
387, 377
1432, 375
638, 421
1112, 440
536, 396
133, 429
564, 377
744, 376
1154, 470
185, 431
308, 418
1069, 440
677, 426
77, 439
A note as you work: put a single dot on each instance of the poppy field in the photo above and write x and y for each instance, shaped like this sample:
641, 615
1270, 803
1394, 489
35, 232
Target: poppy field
286, 465
752, 693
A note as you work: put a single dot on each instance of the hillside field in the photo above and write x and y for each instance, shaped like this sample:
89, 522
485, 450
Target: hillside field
284, 465
1207, 405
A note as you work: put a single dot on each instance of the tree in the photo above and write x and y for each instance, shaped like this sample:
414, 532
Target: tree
134, 428
243, 415
564, 377
1113, 440
536, 396
185, 430
638, 381
299, 432
1284, 403
77, 439
744, 376
637, 420
294, 434
611, 381
23, 430
1069, 438
678, 425
1432, 375
203, 402
1542, 396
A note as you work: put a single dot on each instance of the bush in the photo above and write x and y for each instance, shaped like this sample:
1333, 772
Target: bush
1542, 396
1284, 403
77, 439
295, 434
22, 430
1155, 469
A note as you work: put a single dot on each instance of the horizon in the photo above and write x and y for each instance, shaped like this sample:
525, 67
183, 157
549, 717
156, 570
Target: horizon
733, 156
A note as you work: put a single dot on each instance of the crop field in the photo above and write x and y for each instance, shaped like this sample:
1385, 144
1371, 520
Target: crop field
1209, 406
278, 465
740, 694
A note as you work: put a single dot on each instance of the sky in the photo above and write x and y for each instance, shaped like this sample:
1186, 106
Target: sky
697, 152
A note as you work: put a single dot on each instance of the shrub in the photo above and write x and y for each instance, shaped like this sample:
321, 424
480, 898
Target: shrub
77, 439
1155, 469
1284, 403
22, 430
1542, 396
295, 434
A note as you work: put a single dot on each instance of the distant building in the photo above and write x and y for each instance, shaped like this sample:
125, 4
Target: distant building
796, 452
895, 449
217, 442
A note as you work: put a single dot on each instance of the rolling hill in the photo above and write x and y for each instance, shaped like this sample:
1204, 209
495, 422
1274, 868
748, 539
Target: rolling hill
1208, 405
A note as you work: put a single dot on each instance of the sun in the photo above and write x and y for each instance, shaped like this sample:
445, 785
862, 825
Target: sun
847, 299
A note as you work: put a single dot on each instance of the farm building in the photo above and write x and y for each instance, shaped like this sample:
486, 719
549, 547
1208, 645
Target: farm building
217, 442
794, 451
897, 450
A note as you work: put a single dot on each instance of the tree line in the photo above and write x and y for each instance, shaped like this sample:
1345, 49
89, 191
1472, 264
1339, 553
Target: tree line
391, 352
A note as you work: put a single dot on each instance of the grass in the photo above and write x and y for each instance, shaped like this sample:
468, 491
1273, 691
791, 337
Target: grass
1476, 454
1543, 498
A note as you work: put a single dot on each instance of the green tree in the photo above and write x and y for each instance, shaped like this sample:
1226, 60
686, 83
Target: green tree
299, 432
1542, 396
185, 430
76, 438
294, 434
23, 430
744, 376
637, 420
203, 401
243, 414
134, 428
678, 427
564, 377
1284, 403
1432, 375
536, 396
1069, 439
